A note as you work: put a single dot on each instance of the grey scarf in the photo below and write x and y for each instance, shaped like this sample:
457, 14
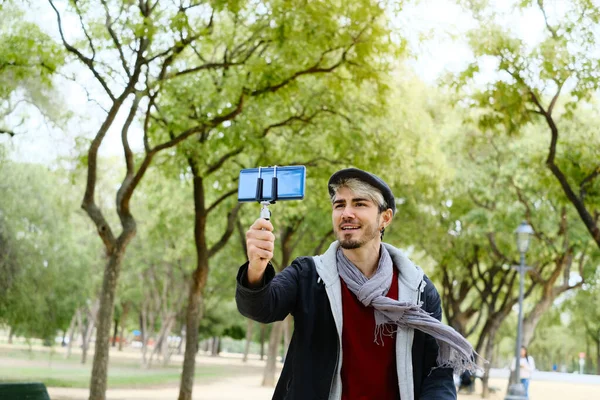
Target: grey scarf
455, 351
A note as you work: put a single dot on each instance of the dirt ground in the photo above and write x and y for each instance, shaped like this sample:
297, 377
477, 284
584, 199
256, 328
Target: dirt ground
248, 388
543, 390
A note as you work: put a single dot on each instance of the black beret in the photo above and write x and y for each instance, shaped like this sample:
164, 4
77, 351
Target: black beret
366, 177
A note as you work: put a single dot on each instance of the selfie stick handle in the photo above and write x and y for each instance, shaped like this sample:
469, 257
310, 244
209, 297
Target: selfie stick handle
265, 213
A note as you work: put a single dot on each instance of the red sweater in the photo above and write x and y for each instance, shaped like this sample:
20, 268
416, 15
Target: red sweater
368, 369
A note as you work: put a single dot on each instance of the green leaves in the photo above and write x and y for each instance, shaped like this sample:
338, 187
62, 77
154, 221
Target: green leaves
29, 58
47, 256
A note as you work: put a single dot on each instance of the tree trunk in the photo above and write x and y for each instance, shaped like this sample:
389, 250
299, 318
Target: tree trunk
195, 299
88, 329
107, 302
165, 351
598, 354
274, 340
180, 346
122, 331
161, 348
531, 320
72, 329
489, 355
249, 329
84, 343
115, 332
10, 335
216, 346
147, 319
263, 333
191, 338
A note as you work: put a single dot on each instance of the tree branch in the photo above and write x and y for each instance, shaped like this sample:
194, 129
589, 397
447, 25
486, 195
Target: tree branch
219, 163
104, 230
223, 197
586, 181
199, 128
319, 246
555, 98
217, 65
583, 212
480, 203
129, 162
316, 161
203, 67
115, 39
534, 111
299, 237
231, 218
124, 193
240, 229
85, 32
550, 29
315, 68
528, 216
86, 60
8, 132
301, 118
492, 240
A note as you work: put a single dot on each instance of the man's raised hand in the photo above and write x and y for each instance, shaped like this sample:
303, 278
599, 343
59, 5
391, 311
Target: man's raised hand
260, 243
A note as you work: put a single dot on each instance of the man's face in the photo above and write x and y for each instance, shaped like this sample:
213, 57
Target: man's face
356, 220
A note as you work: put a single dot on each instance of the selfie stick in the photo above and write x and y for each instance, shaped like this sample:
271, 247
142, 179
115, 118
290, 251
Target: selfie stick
264, 210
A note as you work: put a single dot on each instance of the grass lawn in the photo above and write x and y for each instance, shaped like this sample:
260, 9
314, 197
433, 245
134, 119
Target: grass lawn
55, 371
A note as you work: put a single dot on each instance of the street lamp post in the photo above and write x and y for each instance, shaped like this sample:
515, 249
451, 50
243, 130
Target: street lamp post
516, 391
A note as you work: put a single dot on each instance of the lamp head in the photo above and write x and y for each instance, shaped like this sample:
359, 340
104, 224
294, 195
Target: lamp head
523, 236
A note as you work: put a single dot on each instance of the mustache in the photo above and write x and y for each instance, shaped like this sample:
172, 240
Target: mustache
349, 222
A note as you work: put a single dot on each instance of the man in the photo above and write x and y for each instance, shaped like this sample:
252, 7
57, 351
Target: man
355, 307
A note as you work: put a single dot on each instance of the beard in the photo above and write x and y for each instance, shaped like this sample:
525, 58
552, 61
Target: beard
369, 233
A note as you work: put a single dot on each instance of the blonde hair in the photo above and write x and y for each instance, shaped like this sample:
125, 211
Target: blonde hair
362, 189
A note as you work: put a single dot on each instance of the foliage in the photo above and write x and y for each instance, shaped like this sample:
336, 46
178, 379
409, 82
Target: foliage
46, 251
29, 59
497, 182
550, 81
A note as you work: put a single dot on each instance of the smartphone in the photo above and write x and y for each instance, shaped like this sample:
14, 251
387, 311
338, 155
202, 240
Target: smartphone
291, 183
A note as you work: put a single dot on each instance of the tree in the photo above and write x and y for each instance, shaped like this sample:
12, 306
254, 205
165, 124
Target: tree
29, 59
584, 311
138, 53
157, 270
549, 81
471, 221
44, 252
291, 68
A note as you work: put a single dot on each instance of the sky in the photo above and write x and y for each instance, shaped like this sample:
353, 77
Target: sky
442, 23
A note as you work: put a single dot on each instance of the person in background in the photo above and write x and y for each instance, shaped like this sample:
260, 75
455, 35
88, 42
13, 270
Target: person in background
526, 368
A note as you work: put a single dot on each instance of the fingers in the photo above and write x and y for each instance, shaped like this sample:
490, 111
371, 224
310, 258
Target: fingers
260, 243
258, 254
253, 234
262, 224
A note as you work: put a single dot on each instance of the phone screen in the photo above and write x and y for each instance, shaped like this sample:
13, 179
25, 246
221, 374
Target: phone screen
291, 182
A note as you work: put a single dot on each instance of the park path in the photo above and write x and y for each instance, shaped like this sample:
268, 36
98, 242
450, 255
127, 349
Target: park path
248, 388
243, 387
